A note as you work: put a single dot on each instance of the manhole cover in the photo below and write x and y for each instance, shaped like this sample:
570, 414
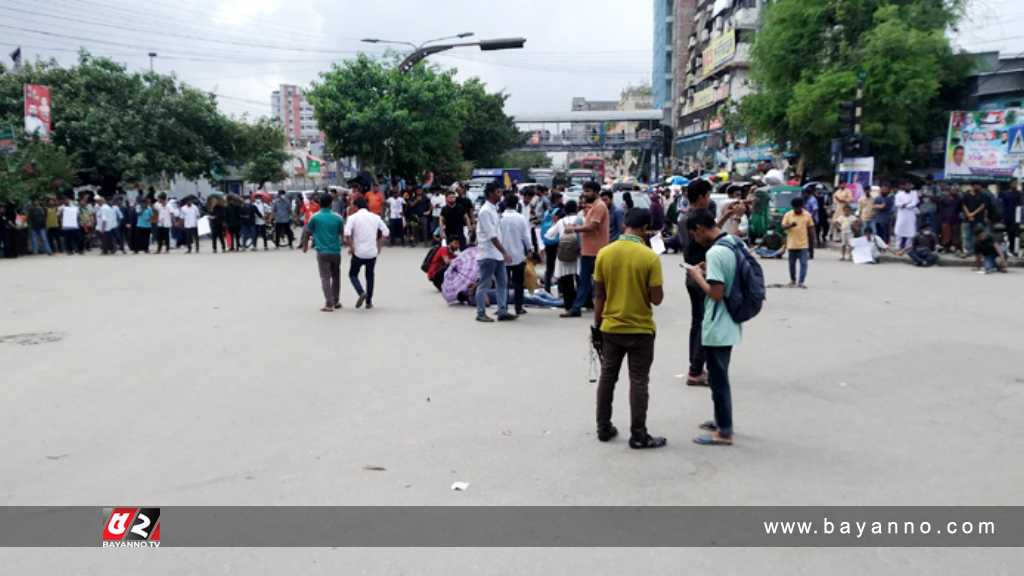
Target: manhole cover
34, 339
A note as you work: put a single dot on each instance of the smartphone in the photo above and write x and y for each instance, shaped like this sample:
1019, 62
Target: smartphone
687, 265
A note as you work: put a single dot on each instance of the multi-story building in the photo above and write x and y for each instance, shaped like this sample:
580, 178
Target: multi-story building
712, 73
290, 108
663, 75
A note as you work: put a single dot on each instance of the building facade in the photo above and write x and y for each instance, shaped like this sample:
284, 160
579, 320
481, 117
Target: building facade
663, 71
715, 38
995, 83
290, 107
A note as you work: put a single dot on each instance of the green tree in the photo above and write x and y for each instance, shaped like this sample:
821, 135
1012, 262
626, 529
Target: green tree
524, 160
36, 170
260, 150
124, 126
808, 58
409, 123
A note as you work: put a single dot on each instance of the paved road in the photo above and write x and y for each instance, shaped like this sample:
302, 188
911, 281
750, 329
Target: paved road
214, 379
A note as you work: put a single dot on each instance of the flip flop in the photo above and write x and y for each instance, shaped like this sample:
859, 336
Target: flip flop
710, 426
709, 440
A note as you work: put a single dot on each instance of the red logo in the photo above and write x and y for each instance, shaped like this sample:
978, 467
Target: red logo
131, 527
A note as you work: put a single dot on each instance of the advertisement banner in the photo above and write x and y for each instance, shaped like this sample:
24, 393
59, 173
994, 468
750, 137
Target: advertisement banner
37, 111
703, 98
720, 50
857, 174
985, 144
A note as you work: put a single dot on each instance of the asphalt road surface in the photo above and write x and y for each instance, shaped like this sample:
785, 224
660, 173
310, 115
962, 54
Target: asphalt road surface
214, 380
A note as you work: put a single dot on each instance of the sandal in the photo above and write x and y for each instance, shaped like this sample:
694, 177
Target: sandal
710, 426
647, 442
712, 440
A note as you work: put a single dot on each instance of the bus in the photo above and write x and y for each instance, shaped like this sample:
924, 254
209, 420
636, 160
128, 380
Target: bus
594, 163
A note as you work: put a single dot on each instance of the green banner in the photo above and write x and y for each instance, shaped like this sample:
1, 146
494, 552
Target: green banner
313, 167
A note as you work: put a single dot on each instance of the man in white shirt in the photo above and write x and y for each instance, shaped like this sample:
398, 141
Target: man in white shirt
515, 237
164, 222
491, 256
106, 222
71, 233
396, 221
190, 218
261, 222
364, 232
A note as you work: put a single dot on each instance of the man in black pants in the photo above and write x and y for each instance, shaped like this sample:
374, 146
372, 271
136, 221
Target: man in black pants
699, 195
364, 232
282, 209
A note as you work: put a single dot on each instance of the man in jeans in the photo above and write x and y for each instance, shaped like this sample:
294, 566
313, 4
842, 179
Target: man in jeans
37, 229
515, 237
800, 229
719, 333
593, 236
627, 282
491, 257
364, 232
325, 227
282, 208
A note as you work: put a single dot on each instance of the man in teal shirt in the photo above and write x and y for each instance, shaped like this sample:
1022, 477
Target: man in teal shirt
326, 228
719, 332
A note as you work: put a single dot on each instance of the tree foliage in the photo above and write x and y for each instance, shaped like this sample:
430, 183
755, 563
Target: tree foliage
36, 170
124, 126
412, 122
810, 53
260, 147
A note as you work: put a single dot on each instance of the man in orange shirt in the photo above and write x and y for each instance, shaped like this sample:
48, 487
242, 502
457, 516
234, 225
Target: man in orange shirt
375, 201
593, 236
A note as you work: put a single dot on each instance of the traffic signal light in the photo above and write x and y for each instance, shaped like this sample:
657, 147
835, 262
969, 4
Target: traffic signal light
848, 118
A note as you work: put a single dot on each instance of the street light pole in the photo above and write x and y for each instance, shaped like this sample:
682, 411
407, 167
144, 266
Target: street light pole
152, 55
427, 48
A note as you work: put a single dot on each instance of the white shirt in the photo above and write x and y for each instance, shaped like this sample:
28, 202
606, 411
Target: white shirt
437, 203
261, 210
190, 214
515, 236
106, 218
361, 229
395, 206
487, 228
69, 216
164, 217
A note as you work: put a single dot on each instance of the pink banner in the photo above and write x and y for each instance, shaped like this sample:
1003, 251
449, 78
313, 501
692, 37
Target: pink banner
37, 111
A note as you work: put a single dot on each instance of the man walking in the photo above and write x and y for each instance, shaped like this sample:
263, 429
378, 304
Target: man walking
190, 219
326, 228
719, 332
364, 232
627, 283
491, 257
593, 236
515, 237
800, 227
283, 220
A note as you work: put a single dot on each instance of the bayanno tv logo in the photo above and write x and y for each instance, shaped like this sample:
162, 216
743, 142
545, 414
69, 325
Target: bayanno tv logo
131, 527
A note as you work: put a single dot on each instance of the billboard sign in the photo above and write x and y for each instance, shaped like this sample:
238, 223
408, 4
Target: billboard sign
986, 145
37, 111
720, 50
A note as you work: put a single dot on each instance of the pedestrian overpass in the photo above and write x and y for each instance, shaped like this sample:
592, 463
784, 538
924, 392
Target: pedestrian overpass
592, 131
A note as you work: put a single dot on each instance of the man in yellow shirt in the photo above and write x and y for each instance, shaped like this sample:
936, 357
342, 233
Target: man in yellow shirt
800, 228
627, 282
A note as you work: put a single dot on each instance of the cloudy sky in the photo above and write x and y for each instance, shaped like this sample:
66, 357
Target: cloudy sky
243, 49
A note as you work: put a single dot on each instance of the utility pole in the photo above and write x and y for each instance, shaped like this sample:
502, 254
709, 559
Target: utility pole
152, 55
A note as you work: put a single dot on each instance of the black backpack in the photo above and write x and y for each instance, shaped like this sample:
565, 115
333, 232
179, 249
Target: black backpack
430, 258
747, 294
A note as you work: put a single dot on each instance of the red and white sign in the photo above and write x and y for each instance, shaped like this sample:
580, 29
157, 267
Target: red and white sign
37, 111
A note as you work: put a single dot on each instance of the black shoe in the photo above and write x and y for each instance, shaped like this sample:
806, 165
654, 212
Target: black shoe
520, 311
506, 317
360, 301
606, 434
646, 441
572, 314
337, 306
485, 319
369, 305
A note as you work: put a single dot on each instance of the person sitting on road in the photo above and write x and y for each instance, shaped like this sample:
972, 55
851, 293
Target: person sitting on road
439, 263
922, 249
773, 245
988, 254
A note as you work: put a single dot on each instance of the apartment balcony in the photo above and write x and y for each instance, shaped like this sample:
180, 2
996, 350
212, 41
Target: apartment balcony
747, 19
742, 57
